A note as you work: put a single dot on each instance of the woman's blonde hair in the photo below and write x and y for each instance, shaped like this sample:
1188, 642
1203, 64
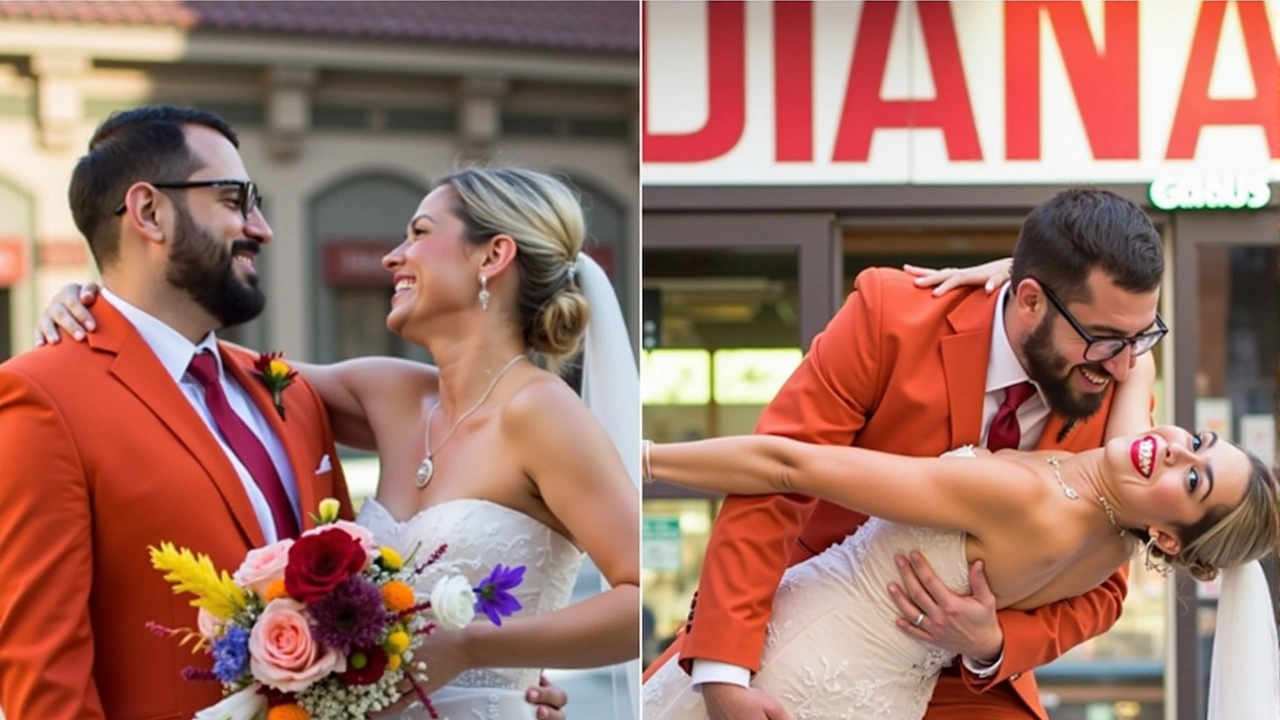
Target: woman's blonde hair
545, 218
1226, 537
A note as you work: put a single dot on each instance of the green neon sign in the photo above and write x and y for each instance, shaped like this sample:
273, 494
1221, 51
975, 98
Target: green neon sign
1210, 192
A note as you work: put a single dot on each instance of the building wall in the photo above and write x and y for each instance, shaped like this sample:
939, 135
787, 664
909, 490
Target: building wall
310, 118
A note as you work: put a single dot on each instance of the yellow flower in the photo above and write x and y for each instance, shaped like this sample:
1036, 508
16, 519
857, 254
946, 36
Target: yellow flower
397, 642
329, 508
278, 368
397, 596
288, 712
195, 574
390, 558
393, 663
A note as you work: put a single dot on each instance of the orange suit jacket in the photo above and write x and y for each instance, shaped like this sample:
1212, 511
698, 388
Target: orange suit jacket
101, 455
900, 371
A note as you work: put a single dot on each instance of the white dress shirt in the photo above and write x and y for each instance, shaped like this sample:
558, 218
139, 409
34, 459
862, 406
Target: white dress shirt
175, 352
1003, 370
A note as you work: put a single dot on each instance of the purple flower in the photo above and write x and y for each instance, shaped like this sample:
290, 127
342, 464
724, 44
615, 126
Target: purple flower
351, 615
492, 597
231, 654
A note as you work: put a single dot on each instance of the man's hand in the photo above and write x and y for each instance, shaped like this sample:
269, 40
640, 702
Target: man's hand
963, 624
549, 699
733, 702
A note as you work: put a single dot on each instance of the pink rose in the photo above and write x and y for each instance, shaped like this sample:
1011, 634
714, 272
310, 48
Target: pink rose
361, 534
263, 566
209, 625
282, 653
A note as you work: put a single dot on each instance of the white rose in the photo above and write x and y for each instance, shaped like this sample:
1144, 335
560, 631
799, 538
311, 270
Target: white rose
453, 602
244, 705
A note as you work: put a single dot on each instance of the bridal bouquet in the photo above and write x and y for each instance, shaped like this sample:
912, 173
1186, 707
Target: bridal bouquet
323, 626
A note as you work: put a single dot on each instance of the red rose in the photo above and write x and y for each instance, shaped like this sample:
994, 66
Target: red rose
371, 662
321, 562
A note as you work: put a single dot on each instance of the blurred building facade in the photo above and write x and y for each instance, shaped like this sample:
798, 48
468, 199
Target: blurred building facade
787, 146
348, 113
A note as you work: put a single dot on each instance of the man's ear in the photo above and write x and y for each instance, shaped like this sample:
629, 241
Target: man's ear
1030, 300
143, 211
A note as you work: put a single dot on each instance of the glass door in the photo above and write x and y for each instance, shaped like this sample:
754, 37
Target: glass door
1227, 300
729, 303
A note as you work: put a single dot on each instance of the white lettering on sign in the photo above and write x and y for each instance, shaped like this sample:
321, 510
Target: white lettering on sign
1212, 192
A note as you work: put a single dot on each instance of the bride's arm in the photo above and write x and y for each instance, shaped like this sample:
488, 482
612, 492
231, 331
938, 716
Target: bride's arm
1134, 400
582, 480
968, 494
348, 389
352, 390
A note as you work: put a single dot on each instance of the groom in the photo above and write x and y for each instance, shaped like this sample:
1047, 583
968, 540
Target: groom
150, 431
900, 371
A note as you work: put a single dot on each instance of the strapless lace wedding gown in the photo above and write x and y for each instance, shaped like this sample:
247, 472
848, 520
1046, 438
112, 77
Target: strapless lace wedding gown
481, 534
832, 651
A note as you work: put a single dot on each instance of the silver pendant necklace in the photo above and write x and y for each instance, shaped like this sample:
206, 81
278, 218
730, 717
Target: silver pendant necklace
1071, 494
428, 468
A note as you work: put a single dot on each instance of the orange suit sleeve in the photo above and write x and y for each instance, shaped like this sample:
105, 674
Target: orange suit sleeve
1038, 637
46, 560
826, 400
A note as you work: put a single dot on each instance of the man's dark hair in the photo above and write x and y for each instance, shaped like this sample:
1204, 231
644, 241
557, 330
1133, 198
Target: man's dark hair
1068, 236
145, 144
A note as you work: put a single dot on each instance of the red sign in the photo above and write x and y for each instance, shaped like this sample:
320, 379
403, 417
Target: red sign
13, 264
1134, 63
63, 254
355, 263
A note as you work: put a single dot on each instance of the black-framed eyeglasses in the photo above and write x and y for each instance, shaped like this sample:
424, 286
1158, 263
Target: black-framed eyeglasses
1103, 349
247, 199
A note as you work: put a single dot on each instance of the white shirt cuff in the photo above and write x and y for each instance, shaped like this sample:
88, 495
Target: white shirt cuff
711, 671
982, 670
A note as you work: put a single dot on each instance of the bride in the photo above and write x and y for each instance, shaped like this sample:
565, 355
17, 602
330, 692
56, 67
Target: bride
1191, 501
486, 451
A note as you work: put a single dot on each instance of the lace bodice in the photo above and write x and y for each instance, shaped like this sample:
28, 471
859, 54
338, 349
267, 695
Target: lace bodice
832, 650
481, 534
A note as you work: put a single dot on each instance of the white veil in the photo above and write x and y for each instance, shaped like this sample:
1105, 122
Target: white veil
1244, 683
611, 388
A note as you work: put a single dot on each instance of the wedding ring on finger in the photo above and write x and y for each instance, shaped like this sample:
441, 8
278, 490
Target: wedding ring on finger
919, 621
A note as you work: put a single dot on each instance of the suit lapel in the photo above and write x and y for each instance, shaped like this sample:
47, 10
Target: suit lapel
138, 369
303, 472
965, 355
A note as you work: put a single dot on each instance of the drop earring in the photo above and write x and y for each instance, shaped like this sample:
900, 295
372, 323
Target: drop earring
484, 293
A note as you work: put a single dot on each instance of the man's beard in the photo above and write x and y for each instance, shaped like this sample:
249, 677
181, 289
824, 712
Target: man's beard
1050, 371
203, 266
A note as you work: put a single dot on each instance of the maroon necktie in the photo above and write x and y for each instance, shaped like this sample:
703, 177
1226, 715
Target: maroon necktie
252, 453
1005, 433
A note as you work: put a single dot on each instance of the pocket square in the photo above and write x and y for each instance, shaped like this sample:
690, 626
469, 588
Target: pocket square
325, 465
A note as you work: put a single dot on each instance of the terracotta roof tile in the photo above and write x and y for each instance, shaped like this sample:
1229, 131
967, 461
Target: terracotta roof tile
603, 26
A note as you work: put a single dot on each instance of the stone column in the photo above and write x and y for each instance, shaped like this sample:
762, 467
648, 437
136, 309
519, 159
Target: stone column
479, 115
59, 96
288, 103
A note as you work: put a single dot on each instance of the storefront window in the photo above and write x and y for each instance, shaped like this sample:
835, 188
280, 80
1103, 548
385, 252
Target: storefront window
721, 336
1236, 377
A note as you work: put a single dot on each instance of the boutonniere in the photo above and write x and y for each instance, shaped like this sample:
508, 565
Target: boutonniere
276, 375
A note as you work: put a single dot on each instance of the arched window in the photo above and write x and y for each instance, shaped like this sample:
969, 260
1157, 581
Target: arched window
352, 224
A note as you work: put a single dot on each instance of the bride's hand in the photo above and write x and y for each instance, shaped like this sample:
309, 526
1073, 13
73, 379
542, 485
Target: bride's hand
446, 656
69, 310
991, 275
